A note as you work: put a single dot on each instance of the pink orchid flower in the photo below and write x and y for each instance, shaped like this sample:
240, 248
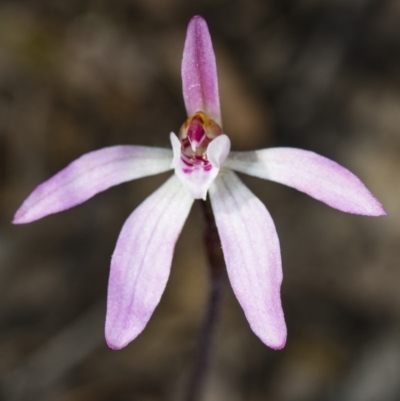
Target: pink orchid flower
202, 162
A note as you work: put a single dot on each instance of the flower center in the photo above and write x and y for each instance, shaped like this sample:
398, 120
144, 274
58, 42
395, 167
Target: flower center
195, 135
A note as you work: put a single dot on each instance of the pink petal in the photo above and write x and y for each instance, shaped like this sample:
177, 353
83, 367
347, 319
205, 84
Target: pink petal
142, 259
252, 255
92, 173
199, 71
308, 172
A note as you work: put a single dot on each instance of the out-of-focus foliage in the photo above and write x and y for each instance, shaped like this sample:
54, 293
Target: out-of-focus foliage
79, 75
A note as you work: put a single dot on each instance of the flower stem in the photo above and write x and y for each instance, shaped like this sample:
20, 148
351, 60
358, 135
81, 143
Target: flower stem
216, 269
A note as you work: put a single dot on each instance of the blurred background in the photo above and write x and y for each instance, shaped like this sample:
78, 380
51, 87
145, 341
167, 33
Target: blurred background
79, 75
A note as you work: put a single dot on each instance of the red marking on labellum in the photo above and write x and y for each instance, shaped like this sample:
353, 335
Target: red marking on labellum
195, 135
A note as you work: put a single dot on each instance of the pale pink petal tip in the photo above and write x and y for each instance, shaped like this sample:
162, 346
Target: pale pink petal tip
141, 261
19, 218
199, 71
92, 173
252, 255
308, 172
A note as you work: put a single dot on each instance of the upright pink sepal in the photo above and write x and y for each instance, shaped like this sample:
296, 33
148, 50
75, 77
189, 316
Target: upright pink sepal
308, 172
199, 71
92, 173
141, 261
252, 255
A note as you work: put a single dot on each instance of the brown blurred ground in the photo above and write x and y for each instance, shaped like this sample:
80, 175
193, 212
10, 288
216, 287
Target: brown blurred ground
80, 75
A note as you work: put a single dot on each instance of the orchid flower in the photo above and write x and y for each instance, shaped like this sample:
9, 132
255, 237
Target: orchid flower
202, 163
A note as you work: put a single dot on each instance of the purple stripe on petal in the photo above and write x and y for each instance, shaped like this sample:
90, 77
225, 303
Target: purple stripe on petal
142, 259
92, 173
252, 255
199, 71
308, 172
